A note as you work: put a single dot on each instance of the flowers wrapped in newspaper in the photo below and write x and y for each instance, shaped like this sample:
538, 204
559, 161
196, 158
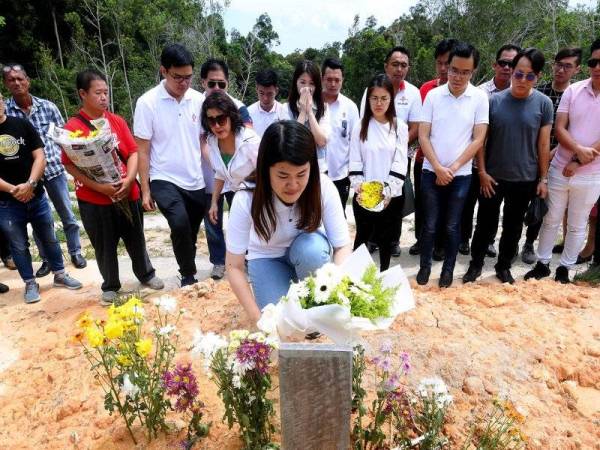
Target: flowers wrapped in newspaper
96, 154
340, 301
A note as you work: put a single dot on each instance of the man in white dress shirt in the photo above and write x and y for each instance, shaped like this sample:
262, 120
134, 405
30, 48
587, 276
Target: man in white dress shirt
267, 109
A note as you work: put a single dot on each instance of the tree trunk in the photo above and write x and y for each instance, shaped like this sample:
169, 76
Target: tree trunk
58, 46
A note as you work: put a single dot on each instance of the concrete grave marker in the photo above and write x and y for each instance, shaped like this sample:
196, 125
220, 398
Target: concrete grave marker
315, 383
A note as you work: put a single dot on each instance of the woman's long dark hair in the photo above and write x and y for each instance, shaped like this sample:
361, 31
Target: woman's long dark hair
221, 101
382, 81
291, 142
313, 70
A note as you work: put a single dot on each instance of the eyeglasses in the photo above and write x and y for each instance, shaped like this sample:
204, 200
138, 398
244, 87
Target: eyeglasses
504, 62
460, 73
399, 64
7, 69
220, 120
211, 84
518, 75
563, 66
378, 100
181, 78
593, 62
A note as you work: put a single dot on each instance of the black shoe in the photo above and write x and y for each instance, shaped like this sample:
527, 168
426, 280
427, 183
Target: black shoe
528, 255
78, 261
439, 254
43, 270
558, 248
396, 251
505, 276
540, 271
562, 275
423, 275
583, 259
372, 247
188, 280
464, 248
446, 279
473, 272
3, 288
491, 251
9, 263
415, 249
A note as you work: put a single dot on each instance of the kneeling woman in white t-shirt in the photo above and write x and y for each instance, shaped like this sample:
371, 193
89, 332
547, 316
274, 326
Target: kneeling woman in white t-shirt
290, 224
378, 152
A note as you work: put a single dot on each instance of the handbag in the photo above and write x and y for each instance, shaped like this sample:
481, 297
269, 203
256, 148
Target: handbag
536, 211
409, 197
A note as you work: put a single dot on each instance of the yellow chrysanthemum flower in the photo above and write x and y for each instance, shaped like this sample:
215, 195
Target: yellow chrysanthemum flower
371, 193
143, 347
84, 321
94, 336
113, 329
124, 360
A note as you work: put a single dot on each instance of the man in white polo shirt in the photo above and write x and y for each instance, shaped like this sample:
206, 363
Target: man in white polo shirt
267, 109
455, 120
343, 117
167, 129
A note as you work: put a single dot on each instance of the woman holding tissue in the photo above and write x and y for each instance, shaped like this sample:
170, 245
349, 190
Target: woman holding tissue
289, 225
306, 105
378, 161
233, 148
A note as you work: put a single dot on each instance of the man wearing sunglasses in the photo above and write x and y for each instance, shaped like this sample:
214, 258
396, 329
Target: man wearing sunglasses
214, 74
41, 113
574, 176
502, 70
167, 130
513, 164
343, 116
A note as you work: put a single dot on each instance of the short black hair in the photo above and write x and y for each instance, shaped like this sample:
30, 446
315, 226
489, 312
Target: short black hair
176, 55
464, 50
85, 77
10, 66
595, 45
535, 57
397, 48
214, 64
221, 101
569, 52
444, 46
267, 77
333, 64
505, 48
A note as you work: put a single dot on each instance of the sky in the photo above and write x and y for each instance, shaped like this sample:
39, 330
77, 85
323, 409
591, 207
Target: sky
312, 23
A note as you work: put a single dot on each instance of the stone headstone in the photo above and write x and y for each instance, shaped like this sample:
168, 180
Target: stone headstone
315, 384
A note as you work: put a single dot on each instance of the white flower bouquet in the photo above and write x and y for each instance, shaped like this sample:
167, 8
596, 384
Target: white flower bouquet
340, 301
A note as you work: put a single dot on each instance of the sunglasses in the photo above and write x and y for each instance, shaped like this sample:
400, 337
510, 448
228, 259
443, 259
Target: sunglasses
504, 62
528, 76
221, 84
220, 120
593, 62
7, 69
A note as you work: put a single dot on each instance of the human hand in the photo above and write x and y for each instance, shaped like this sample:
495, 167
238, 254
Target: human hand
586, 154
487, 184
213, 213
444, 176
147, 201
108, 189
569, 169
542, 190
124, 188
22, 192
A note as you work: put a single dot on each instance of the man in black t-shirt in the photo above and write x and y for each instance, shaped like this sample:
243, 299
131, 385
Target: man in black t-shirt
22, 201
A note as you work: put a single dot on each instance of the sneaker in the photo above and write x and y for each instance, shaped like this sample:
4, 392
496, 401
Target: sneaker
218, 272
396, 251
415, 249
446, 279
562, 275
540, 271
423, 275
372, 247
188, 280
66, 281
43, 270
78, 261
439, 254
583, 259
491, 251
3, 288
154, 283
9, 263
464, 248
505, 276
473, 272
528, 255
108, 298
558, 248
32, 292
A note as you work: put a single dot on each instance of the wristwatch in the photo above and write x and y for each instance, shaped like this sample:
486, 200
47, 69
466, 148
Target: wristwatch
544, 180
33, 183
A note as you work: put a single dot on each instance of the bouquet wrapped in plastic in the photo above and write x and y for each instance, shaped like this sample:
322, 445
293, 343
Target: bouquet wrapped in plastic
340, 301
373, 195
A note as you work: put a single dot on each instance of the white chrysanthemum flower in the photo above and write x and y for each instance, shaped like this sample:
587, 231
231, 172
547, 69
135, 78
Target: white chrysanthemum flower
128, 388
166, 330
257, 336
437, 388
237, 381
238, 335
207, 345
298, 291
166, 304
240, 368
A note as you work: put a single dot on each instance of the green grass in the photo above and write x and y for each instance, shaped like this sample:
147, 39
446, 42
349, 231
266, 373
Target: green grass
591, 275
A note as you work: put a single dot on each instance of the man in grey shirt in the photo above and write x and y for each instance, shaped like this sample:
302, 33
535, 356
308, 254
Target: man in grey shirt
513, 164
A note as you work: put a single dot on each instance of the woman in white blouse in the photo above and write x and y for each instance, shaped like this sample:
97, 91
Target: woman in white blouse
232, 148
378, 152
289, 225
305, 104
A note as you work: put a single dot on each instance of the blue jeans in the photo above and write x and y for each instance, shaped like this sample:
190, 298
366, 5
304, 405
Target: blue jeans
451, 198
58, 191
271, 277
14, 217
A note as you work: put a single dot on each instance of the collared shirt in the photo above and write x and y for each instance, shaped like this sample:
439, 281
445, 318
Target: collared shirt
173, 129
452, 121
583, 108
261, 119
489, 87
43, 112
407, 102
343, 118
555, 96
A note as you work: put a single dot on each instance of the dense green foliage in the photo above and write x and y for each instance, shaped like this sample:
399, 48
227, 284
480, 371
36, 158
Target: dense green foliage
123, 38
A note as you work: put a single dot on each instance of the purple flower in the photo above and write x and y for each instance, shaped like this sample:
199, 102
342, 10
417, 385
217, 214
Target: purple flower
393, 400
255, 354
386, 347
181, 383
405, 359
383, 364
392, 383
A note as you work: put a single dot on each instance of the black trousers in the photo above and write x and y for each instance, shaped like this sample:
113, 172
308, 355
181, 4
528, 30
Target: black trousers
597, 242
379, 227
418, 168
466, 224
516, 196
4, 246
106, 225
184, 211
343, 188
